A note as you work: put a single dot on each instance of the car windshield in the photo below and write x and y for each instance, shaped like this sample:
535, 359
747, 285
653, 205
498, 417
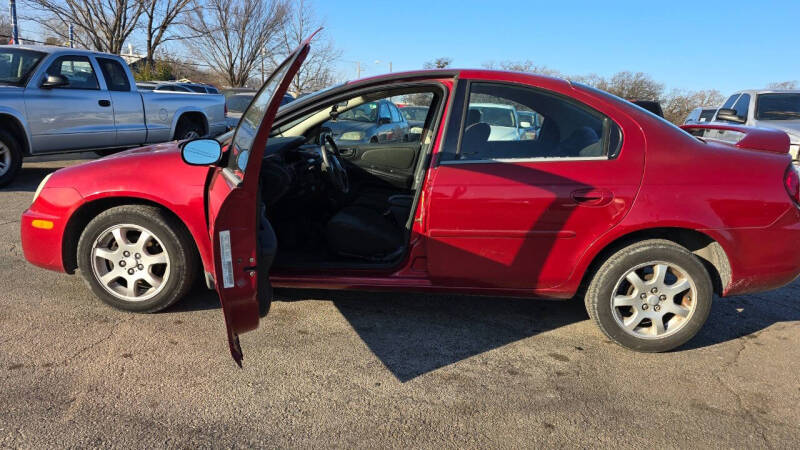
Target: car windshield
251, 121
778, 106
17, 65
368, 112
238, 103
414, 113
494, 116
525, 117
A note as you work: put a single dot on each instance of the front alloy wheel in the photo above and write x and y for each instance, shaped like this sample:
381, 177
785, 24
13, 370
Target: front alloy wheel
137, 258
130, 262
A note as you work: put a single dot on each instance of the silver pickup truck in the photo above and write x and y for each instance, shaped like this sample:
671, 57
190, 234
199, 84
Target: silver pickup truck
55, 99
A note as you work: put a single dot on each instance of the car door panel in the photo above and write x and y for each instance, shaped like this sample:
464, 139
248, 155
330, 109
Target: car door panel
233, 213
524, 221
521, 225
393, 163
81, 118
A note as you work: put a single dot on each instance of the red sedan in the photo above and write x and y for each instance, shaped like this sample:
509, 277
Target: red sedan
609, 202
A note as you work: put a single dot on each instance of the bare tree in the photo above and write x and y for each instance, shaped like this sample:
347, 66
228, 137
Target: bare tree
102, 25
678, 104
232, 36
438, 63
522, 66
159, 19
783, 85
317, 70
5, 29
628, 85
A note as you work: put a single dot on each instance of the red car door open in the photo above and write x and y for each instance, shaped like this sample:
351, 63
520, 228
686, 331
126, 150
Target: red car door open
233, 207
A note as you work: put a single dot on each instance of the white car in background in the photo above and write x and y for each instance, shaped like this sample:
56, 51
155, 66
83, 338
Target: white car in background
502, 119
768, 108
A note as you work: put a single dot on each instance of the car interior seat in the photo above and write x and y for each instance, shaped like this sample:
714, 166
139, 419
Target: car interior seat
578, 142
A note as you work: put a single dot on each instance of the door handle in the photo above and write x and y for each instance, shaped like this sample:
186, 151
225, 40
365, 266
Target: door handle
592, 197
104, 102
347, 151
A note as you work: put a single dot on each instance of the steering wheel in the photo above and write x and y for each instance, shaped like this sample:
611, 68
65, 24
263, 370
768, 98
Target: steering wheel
332, 166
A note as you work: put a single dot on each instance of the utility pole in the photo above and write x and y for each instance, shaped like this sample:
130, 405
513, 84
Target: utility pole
358, 70
12, 4
72, 36
263, 55
378, 61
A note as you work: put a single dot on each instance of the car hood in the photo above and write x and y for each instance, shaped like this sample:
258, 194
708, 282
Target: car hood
140, 169
791, 127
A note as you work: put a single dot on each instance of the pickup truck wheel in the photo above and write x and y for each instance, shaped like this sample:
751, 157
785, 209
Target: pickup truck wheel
651, 296
188, 129
137, 258
10, 158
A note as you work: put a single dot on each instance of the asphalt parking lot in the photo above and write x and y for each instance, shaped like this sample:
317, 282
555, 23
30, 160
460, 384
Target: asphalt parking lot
376, 370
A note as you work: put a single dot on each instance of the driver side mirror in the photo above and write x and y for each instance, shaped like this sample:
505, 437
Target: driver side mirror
55, 81
730, 115
201, 152
384, 121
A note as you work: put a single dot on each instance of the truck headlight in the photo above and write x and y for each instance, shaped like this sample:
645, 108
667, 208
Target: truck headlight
352, 136
41, 186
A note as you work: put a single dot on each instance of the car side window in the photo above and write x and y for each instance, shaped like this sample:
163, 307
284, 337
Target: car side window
395, 114
77, 69
730, 101
567, 129
383, 112
742, 105
115, 75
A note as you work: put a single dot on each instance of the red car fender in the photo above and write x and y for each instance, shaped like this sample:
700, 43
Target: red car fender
189, 209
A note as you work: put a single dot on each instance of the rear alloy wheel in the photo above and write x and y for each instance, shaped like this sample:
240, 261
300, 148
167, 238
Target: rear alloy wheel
137, 258
10, 158
651, 296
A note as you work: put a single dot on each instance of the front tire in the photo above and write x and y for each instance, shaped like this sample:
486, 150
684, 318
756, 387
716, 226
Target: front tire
137, 258
651, 296
10, 158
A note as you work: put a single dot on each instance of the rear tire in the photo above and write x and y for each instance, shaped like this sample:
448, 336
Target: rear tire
188, 129
10, 158
651, 296
125, 274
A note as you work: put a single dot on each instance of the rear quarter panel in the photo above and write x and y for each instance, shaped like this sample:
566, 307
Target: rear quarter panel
734, 196
163, 110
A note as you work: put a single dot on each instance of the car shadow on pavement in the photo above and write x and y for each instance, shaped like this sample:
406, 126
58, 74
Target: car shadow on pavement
413, 334
28, 179
746, 315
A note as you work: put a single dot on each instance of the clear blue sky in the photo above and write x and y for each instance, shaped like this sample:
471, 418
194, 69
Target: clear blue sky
724, 45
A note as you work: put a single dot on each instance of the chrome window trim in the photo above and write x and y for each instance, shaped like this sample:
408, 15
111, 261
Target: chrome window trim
524, 160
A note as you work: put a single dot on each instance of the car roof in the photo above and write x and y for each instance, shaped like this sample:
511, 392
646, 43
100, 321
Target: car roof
767, 91
50, 49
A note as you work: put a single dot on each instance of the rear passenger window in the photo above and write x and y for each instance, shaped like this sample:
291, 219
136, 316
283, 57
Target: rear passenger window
115, 75
565, 129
